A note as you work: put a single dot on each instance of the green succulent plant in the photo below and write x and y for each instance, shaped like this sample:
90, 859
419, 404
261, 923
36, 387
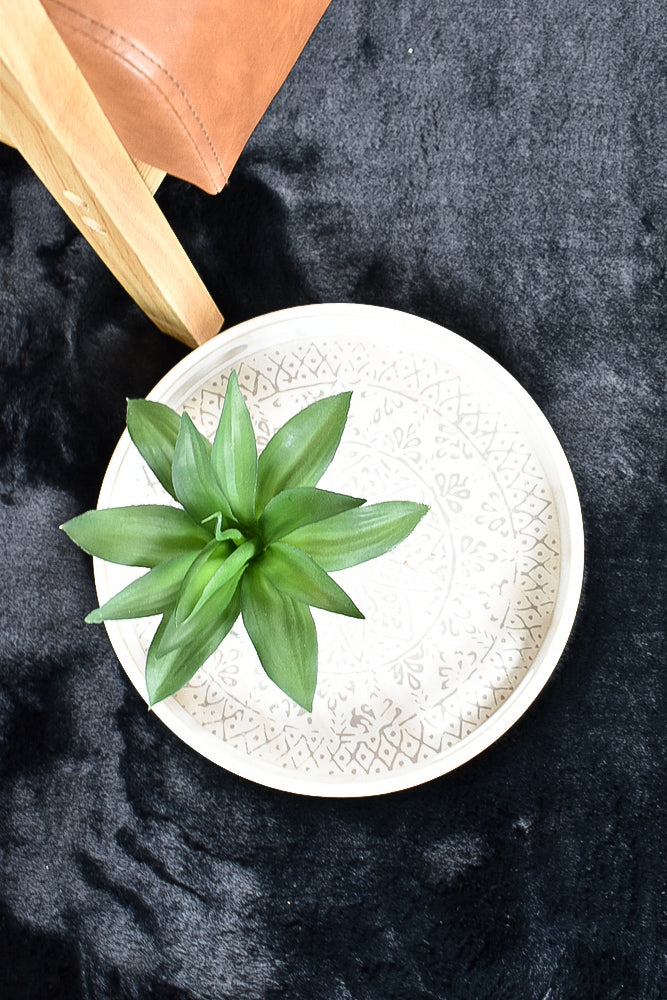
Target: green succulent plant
252, 536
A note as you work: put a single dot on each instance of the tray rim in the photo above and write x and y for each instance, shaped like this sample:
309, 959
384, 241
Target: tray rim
232, 344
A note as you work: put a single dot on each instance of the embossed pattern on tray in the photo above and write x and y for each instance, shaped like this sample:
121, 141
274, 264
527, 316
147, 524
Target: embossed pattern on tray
455, 616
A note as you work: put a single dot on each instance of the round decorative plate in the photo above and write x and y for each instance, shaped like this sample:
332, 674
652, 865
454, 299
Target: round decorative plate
465, 620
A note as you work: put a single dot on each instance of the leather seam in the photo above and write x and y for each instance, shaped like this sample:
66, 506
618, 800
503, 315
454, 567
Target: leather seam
150, 80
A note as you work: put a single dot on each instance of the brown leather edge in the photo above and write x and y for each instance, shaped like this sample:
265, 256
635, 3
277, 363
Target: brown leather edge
168, 90
231, 162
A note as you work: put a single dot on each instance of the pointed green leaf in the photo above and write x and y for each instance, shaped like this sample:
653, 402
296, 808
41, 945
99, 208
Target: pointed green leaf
234, 454
292, 509
231, 568
159, 669
205, 566
357, 535
167, 673
152, 594
300, 452
153, 427
296, 574
136, 536
182, 632
195, 483
282, 631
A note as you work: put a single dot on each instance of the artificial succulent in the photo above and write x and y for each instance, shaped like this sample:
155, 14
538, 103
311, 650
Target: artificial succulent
252, 535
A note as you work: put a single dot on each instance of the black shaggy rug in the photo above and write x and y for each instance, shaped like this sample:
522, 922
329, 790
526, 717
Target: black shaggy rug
499, 168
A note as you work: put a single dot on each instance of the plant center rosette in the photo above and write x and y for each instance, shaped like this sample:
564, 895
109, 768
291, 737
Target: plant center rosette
252, 536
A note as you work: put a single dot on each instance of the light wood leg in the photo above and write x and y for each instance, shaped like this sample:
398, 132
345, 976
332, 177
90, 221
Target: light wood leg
50, 114
152, 176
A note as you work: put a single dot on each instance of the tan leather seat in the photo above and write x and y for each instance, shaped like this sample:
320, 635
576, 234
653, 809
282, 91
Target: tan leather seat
185, 83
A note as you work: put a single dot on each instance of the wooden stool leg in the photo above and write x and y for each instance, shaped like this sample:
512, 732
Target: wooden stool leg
49, 113
151, 175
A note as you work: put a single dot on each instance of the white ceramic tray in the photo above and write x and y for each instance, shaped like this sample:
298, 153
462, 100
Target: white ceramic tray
465, 620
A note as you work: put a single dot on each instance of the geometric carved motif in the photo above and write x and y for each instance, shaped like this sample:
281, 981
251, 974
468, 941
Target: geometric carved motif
455, 616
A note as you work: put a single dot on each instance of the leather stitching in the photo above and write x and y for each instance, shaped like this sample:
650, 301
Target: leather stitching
137, 69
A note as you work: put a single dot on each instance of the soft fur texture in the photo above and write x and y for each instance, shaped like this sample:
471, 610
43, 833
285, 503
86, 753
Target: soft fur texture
498, 168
